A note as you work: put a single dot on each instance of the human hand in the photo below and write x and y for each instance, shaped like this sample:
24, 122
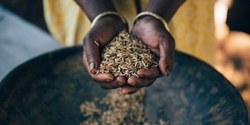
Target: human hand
153, 33
102, 33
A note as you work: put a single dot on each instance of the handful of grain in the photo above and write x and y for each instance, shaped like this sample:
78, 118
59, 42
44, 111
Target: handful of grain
125, 55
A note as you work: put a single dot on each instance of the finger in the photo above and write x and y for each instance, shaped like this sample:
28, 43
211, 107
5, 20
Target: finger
106, 79
128, 90
116, 83
140, 82
102, 77
166, 61
149, 73
92, 54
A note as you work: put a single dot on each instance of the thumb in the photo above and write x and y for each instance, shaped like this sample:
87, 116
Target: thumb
166, 62
92, 55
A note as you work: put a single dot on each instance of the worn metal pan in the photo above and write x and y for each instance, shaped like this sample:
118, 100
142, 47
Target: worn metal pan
50, 88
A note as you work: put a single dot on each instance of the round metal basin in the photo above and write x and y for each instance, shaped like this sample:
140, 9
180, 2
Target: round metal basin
50, 88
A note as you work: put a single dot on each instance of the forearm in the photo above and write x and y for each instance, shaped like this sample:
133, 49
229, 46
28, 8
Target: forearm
164, 8
94, 7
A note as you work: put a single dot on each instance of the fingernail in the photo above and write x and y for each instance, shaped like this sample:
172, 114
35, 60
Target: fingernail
91, 66
122, 92
109, 80
133, 83
167, 71
138, 75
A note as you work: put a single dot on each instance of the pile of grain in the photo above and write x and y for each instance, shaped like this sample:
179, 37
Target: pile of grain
124, 55
116, 109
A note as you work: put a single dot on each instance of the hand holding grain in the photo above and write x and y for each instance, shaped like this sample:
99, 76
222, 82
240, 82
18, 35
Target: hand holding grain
104, 30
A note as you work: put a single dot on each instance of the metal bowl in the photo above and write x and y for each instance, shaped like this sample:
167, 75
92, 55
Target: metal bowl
50, 88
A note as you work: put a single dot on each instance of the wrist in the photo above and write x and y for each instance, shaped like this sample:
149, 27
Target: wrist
116, 22
151, 16
111, 15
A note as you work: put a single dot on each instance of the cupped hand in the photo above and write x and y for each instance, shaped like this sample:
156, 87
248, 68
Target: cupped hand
104, 30
153, 33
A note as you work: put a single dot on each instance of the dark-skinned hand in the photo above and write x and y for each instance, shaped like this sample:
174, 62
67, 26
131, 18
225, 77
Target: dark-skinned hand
153, 33
102, 32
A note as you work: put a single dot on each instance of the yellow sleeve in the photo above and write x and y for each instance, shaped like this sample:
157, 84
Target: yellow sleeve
65, 20
193, 29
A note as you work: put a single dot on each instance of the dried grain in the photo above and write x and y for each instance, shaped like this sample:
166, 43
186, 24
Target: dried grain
125, 55
117, 109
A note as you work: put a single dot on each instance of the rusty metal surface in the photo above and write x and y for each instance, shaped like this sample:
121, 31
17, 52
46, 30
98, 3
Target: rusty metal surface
50, 88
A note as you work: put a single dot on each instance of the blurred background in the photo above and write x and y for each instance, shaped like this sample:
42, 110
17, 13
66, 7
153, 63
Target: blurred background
232, 24
30, 10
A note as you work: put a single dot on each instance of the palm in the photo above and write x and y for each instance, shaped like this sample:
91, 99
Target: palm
97, 37
153, 33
